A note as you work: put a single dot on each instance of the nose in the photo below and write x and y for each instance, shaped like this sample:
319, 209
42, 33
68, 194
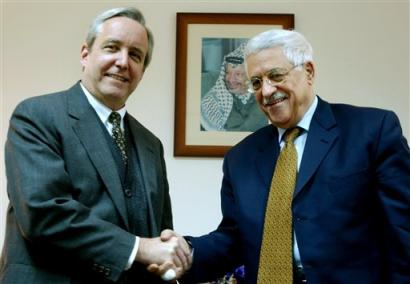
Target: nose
122, 59
229, 77
267, 88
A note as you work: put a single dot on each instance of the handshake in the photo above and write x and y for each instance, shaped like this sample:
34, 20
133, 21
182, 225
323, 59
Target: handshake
168, 256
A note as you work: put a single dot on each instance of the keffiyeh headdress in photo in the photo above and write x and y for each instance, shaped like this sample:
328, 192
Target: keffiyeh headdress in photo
216, 105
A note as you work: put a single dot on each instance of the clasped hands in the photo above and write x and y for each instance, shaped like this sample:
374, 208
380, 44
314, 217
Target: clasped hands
169, 251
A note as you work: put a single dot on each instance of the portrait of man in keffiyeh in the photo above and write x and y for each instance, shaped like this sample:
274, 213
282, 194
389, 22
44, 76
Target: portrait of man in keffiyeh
228, 105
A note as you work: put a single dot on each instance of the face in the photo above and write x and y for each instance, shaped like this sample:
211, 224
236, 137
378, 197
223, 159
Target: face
284, 103
114, 65
235, 79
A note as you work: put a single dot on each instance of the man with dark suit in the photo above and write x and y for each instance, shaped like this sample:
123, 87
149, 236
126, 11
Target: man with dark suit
350, 206
86, 181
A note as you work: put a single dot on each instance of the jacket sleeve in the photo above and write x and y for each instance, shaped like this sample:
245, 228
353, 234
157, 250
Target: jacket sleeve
42, 198
393, 179
218, 252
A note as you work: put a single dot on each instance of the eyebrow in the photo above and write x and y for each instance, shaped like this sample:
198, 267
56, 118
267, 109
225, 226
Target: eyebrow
111, 41
118, 42
276, 70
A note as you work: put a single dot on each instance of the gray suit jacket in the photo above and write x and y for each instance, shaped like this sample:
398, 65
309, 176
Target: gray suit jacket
67, 219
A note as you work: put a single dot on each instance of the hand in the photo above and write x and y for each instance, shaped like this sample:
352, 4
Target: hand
154, 250
183, 251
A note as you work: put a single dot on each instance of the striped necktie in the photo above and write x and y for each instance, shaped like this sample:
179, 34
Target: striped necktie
118, 134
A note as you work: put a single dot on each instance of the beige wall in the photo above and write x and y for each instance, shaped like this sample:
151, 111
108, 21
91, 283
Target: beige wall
361, 50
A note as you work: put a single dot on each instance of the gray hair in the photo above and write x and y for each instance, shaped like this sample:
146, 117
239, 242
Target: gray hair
128, 12
293, 44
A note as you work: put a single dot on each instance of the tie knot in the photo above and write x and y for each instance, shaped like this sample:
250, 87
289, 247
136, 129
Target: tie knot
114, 118
291, 134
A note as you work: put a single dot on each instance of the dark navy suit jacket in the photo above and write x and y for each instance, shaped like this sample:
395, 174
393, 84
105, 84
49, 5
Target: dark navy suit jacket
351, 205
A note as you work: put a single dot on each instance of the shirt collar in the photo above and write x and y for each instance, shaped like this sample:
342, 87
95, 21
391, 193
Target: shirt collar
102, 110
304, 123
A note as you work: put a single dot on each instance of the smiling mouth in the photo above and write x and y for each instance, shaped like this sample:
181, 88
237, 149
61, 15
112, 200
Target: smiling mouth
118, 77
275, 99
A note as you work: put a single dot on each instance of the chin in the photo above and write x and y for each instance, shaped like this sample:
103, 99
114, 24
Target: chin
113, 91
281, 123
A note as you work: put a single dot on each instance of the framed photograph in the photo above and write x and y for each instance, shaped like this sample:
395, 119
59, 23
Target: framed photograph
213, 107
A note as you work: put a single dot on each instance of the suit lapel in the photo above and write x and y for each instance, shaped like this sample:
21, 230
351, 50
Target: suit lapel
93, 139
321, 136
146, 157
267, 154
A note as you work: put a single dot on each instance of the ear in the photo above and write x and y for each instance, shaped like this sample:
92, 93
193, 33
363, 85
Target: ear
85, 51
310, 71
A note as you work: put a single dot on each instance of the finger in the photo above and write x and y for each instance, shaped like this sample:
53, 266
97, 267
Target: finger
184, 246
163, 268
153, 268
173, 251
179, 271
177, 261
187, 251
183, 258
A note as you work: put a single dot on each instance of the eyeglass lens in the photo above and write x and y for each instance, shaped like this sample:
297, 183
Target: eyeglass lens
276, 75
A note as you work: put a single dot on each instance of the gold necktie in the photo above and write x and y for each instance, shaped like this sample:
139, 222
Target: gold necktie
118, 134
275, 262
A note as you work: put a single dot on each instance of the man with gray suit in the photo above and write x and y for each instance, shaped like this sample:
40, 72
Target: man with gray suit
86, 181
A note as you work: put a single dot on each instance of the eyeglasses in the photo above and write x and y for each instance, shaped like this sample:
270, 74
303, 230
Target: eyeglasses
274, 77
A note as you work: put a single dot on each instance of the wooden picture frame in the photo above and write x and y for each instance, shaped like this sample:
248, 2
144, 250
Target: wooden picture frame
190, 139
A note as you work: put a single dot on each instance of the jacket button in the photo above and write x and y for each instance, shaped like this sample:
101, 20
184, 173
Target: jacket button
301, 218
107, 272
128, 192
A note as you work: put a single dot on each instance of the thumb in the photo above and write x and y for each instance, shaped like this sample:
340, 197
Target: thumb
167, 234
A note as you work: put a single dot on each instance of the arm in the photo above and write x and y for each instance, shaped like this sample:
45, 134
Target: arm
219, 251
213, 254
43, 199
62, 209
393, 181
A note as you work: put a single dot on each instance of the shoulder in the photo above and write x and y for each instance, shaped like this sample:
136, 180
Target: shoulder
255, 141
43, 99
49, 112
346, 109
347, 114
48, 105
51, 101
350, 114
358, 123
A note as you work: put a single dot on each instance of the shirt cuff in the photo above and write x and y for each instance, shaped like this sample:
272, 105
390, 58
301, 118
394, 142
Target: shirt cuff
133, 253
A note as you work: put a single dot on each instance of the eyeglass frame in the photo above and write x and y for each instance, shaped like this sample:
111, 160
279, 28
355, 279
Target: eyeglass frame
275, 82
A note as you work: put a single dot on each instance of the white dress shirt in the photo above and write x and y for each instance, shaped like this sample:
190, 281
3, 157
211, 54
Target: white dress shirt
299, 143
